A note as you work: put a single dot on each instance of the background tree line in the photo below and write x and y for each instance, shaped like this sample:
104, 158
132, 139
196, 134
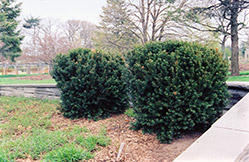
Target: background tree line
49, 37
125, 23
206, 21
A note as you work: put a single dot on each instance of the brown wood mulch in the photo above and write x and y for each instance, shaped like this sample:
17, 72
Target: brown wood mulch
138, 147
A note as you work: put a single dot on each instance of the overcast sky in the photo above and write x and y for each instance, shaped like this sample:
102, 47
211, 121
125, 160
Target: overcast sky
87, 10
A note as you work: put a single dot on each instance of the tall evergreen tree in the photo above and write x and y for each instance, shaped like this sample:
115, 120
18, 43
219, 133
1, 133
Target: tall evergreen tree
10, 38
115, 29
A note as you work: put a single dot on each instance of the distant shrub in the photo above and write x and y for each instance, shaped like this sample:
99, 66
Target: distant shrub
91, 82
176, 87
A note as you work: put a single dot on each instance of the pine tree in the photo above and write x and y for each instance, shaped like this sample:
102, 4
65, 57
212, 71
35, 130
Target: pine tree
10, 38
115, 32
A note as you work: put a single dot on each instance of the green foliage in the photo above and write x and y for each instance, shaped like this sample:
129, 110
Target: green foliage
23, 136
40, 141
10, 38
31, 22
176, 87
21, 113
69, 152
115, 32
129, 112
91, 82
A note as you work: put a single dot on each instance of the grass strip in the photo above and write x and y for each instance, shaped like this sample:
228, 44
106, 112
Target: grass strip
25, 132
6, 81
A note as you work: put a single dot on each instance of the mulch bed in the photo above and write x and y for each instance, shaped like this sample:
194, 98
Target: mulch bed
138, 147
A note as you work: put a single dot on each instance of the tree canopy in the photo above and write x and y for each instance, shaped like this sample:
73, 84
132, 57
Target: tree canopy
226, 17
115, 32
10, 38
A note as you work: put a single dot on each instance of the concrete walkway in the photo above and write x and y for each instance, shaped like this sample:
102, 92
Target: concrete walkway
226, 141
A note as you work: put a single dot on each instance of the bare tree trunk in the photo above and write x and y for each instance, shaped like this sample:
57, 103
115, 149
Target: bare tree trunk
154, 19
145, 16
50, 67
223, 45
234, 40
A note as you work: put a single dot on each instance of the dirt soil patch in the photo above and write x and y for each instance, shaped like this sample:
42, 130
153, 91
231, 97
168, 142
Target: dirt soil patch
138, 147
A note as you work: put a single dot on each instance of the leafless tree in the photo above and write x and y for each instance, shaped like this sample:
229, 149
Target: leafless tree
153, 18
45, 42
51, 37
79, 33
226, 17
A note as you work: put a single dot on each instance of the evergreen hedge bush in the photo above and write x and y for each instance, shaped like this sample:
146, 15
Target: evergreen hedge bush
91, 82
176, 87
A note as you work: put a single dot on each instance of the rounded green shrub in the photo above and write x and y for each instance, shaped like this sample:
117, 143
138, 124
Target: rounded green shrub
176, 87
91, 83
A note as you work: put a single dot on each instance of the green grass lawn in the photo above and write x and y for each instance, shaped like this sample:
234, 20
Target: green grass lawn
241, 73
244, 77
5, 79
26, 131
12, 81
238, 78
11, 75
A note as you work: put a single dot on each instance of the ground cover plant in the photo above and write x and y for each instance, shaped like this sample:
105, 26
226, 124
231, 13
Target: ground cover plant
91, 82
176, 87
56, 138
26, 131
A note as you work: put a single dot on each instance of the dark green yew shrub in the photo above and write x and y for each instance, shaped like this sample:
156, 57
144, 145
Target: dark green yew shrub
176, 87
91, 82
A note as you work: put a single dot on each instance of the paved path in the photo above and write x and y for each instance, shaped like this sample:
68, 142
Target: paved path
226, 141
